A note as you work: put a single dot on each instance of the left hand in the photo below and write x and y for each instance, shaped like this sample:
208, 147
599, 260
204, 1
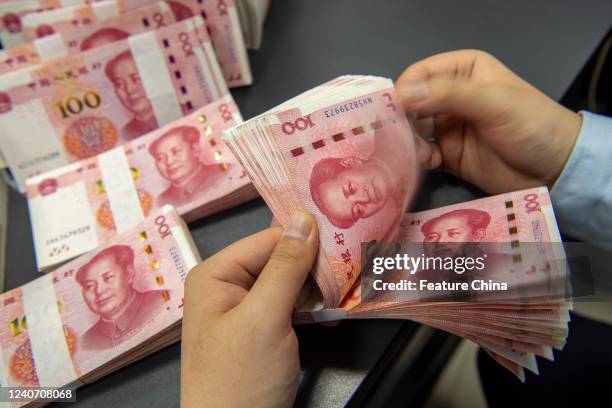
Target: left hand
239, 347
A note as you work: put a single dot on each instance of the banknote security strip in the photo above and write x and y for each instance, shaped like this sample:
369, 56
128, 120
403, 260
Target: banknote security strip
207, 131
160, 82
154, 265
234, 59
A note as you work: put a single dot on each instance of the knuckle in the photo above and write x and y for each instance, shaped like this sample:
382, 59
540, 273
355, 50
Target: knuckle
482, 54
193, 275
197, 276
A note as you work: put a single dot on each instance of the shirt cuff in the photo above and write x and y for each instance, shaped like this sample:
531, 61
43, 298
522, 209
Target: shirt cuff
582, 195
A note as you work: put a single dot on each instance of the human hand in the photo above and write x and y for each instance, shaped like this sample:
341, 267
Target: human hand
491, 128
238, 345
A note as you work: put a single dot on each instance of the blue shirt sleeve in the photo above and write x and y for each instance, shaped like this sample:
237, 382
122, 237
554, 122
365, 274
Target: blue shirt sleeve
582, 196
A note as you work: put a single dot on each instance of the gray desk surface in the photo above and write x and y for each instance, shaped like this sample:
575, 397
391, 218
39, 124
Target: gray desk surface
306, 43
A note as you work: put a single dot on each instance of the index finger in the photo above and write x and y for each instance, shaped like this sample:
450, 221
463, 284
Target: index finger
451, 63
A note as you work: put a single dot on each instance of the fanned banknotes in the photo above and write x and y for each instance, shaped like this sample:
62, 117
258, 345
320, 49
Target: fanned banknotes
344, 152
79, 207
81, 105
514, 326
101, 311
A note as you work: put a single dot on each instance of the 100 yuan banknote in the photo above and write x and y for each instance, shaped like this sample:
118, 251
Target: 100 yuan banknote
86, 33
41, 24
68, 325
82, 34
118, 18
32, 53
81, 206
81, 105
516, 224
12, 12
514, 236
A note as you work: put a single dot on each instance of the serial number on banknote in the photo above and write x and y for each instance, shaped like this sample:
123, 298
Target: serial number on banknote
176, 258
68, 234
38, 160
347, 107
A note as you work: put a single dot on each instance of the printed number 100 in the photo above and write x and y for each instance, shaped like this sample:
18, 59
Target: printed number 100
74, 105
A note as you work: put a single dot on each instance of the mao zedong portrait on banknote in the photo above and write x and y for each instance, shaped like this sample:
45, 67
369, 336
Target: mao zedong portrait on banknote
177, 159
103, 36
107, 286
5, 102
451, 235
347, 189
12, 22
123, 73
44, 30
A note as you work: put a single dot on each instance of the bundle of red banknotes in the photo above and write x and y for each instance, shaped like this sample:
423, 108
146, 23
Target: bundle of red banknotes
344, 151
84, 78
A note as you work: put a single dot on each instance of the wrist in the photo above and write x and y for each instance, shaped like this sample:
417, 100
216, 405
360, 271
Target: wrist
564, 135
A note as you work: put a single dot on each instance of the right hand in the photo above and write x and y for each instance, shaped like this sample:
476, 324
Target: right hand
490, 127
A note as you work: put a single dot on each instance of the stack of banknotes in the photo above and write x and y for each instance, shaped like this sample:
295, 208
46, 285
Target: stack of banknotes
4, 216
85, 78
116, 121
69, 30
252, 16
76, 208
101, 311
22, 21
345, 152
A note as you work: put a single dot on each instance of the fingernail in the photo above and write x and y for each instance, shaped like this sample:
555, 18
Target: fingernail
413, 91
299, 226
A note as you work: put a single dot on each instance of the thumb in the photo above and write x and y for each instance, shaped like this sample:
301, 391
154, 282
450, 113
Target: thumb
277, 288
447, 95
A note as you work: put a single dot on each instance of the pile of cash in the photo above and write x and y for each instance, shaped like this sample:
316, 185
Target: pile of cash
111, 117
86, 78
76, 208
117, 123
252, 16
345, 152
101, 311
